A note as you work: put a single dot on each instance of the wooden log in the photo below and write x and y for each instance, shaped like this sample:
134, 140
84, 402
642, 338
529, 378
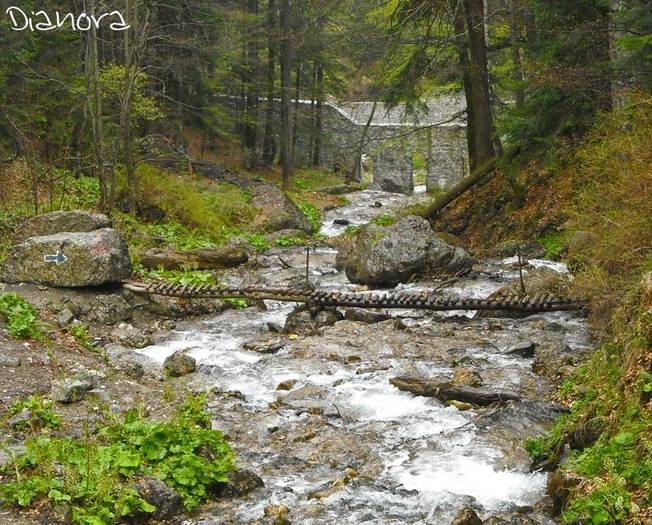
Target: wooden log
449, 392
199, 259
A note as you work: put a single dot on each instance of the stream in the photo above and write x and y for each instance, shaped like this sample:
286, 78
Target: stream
338, 443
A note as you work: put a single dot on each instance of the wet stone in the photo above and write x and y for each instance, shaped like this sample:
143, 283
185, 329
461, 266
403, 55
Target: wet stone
179, 364
525, 349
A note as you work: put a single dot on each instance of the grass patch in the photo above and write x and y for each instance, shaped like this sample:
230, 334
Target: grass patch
205, 207
95, 475
20, 316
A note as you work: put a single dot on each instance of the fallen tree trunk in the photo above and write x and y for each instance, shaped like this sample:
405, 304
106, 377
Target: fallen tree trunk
477, 176
449, 392
198, 259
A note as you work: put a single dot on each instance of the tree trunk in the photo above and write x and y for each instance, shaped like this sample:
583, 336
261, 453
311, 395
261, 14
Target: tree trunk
250, 130
355, 168
319, 108
462, 46
295, 123
94, 101
515, 36
482, 127
126, 117
269, 143
286, 91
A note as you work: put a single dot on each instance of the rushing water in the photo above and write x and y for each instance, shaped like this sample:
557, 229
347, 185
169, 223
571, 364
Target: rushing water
343, 445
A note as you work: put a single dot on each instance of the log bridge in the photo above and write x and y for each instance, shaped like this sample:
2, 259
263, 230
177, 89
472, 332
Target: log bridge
395, 300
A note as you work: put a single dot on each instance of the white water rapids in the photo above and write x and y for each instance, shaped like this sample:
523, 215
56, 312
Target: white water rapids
416, 460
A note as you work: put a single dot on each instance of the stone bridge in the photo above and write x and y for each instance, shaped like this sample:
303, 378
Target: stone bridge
398, 145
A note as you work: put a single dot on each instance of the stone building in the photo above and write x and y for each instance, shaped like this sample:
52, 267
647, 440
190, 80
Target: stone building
395, 141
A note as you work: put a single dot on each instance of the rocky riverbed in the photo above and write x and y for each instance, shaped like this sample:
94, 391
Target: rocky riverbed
310, 400
335, 442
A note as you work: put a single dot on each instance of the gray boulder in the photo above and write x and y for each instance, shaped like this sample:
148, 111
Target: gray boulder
61, 221
179, 364
167, 501
72, 260
389, 255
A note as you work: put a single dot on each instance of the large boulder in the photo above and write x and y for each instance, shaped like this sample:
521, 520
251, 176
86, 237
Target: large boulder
70, 259
61, 221
278, 212
389, 255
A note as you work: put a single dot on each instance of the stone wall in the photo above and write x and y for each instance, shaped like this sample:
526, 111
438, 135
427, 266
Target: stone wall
391, 142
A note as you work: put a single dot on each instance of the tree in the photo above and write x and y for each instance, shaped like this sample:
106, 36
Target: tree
286, 59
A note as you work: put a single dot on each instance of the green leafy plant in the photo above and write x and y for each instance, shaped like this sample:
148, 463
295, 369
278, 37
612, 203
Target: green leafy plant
96, 475
290, 241
21, 317
259, 242
238, 304
42, 412
384, 220
554, 243
352, 230
313, 214
80, 333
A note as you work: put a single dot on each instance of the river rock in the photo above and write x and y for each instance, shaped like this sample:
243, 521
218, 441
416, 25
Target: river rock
131, 337
241, 482
167, 501
179, 364
560, 485
303, 320
91, 259
467, 516
448, 391
386, 256
109, 309
466, 376
69, 391
61, 221
525, 349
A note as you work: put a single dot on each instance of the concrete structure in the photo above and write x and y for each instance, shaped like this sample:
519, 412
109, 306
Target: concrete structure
396, 141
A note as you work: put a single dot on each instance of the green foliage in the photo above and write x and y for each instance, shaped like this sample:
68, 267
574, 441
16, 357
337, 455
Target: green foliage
112, 86
42, 410
21, 317
259, 242
384, 220
210, 211
96, 475
180, 237
311, 211
80, 333
290, 241
352, 230
236, 303
554, 243
312, 179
